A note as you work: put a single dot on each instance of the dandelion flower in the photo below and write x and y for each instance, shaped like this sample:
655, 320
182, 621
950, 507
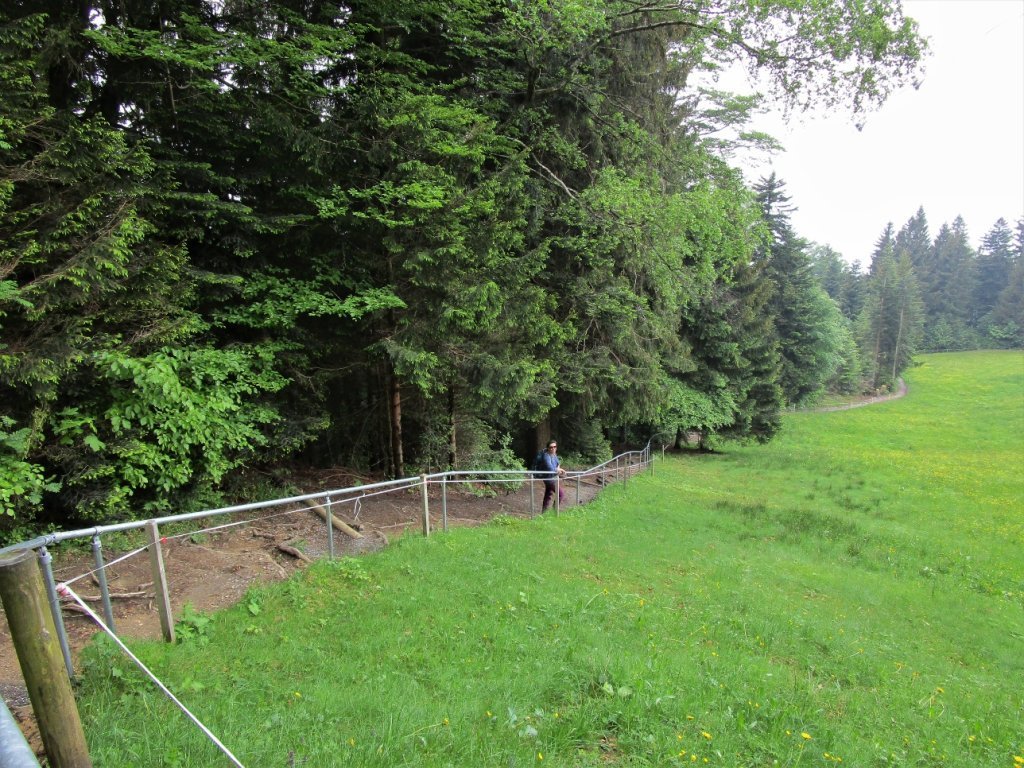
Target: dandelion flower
805, 735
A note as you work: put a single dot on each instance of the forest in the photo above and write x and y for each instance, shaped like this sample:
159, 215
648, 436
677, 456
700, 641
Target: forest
239, 237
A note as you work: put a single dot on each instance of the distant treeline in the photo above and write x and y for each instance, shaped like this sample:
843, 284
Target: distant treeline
243, 235
941, 295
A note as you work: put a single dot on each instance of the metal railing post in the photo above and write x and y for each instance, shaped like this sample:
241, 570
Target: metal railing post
15, 750
558, 492
101, 577
46, 561
533, 509
577, 490
330, 527
444, 502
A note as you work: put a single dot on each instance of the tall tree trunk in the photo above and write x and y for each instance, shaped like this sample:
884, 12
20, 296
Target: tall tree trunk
896, 352
452, 445
880, 321
395, 413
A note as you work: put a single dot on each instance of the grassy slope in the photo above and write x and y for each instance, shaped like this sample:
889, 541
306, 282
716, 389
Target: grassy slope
852, 592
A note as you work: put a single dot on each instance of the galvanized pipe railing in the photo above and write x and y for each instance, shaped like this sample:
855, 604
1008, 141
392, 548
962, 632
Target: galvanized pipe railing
14, 750
623, 463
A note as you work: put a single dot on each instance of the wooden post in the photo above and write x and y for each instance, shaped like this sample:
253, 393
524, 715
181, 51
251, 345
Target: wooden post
42, 664
426, 506
156, 562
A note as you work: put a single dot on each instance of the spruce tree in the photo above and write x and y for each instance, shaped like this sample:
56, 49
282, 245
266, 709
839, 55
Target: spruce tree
994, 265
804, 322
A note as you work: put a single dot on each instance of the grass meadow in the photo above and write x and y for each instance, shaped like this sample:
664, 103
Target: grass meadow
850, 594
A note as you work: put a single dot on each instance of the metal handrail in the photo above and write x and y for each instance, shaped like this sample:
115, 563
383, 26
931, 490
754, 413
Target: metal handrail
14, 749
328, 498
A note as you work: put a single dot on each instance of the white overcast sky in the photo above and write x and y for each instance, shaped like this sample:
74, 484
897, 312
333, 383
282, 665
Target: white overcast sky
954, 146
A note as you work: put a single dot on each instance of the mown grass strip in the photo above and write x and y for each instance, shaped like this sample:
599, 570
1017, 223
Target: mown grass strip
852, 592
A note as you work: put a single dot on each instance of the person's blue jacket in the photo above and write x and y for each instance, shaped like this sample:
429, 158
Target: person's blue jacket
549, 463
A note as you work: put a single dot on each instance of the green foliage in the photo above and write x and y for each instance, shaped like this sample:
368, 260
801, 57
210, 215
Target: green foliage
236, 233
168, 420
192, 626
22, 483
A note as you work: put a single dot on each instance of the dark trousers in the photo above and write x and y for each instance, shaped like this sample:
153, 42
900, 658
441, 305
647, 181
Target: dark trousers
549, 493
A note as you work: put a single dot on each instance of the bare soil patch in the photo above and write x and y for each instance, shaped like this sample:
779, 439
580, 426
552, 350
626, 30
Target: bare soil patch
212, 565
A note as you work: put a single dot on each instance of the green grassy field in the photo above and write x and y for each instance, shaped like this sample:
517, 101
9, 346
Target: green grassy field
852, 593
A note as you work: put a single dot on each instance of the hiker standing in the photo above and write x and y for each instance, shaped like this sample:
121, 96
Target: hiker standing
547, 461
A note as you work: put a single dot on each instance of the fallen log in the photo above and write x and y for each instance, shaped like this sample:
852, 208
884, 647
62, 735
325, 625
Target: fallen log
340, 525
288, 549
112, 596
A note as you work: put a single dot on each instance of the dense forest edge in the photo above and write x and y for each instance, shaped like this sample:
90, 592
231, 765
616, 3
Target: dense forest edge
239, 238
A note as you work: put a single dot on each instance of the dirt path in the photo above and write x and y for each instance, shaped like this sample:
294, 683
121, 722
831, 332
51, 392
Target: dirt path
901, 390
213, 569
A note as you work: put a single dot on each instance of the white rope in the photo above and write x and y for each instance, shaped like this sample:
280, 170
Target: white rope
107, 565
64, 589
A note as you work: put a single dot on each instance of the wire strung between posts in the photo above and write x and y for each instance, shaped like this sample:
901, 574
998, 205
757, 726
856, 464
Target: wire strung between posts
133, 553
64, 589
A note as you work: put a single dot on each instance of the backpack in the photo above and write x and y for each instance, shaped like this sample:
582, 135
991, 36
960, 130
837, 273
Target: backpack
538, 462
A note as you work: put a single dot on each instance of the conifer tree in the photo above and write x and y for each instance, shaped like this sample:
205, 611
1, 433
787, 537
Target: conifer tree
994, 264
805, 323
892, 320
950, 291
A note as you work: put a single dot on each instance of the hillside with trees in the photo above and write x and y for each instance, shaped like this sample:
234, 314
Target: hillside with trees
924, 294
241, 236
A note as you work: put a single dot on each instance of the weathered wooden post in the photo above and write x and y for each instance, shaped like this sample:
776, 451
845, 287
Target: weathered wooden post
156, 563
426, 506
42, 664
